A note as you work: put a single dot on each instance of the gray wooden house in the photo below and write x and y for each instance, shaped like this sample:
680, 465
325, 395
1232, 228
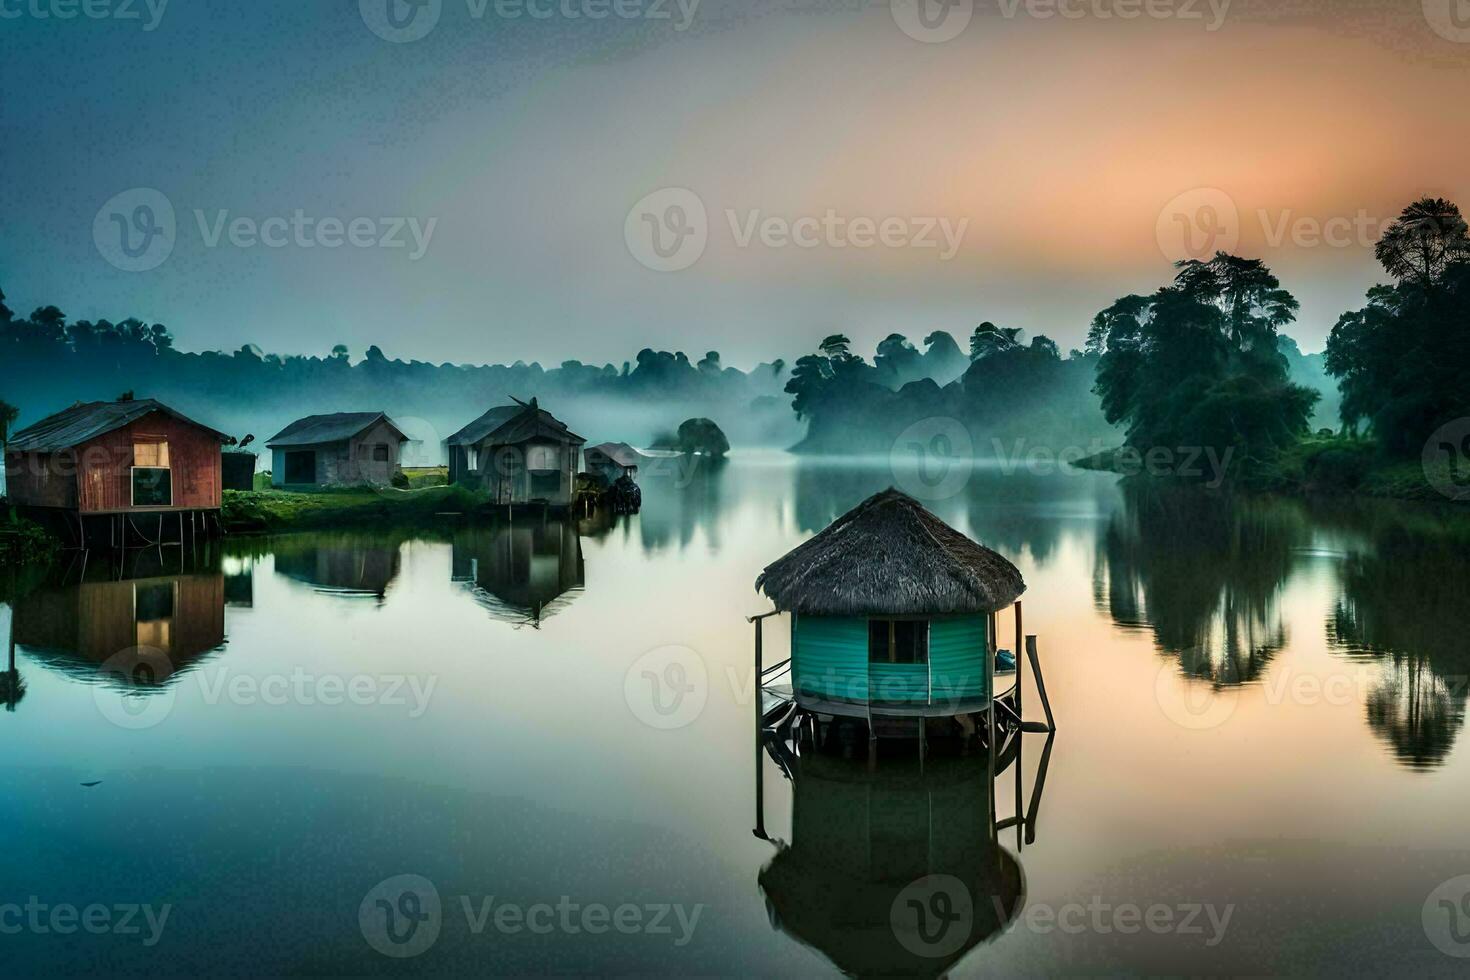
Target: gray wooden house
518, 454
343, 448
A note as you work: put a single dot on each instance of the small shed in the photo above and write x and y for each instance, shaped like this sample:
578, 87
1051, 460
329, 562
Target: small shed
518, 454
98, 462
893, 608
611, 461
344, 448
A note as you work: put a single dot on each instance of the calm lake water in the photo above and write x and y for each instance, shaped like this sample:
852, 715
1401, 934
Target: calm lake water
1260, 763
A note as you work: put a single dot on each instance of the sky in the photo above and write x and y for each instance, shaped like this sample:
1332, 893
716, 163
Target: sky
494, 180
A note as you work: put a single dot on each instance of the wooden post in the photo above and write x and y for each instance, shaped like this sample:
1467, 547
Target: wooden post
1020, 671
1051, 722
759, 657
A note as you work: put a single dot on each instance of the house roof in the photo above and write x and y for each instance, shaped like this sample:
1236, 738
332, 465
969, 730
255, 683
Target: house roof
889, 556
86, 421
619, 452
510, 424
316, 430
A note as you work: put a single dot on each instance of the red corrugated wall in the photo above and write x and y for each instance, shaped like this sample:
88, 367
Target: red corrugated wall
106, 463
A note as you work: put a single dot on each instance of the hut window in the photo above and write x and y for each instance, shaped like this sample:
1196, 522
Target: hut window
380, 454
898, 641
541, 458
152, 479
150, 451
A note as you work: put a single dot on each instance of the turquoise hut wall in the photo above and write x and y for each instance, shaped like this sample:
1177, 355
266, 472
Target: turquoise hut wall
829, 659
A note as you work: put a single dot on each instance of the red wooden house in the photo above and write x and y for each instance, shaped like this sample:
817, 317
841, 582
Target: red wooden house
117, 472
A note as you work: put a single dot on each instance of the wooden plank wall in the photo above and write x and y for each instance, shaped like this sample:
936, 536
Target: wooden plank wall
106, 463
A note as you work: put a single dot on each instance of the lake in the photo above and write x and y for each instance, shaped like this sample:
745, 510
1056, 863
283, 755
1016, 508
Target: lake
1259, 763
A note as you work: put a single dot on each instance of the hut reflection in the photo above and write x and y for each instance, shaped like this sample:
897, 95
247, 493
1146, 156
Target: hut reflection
1204, 573
895, 869
154, 626
521, 573
345, 565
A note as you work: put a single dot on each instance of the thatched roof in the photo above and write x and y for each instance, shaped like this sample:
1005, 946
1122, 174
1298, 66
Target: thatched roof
890, 556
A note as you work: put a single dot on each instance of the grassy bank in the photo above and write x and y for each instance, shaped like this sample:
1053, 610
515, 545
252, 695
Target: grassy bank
281, 510
1319, 465
24, 543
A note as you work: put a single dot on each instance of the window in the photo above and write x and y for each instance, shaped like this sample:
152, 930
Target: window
150, 451
542, 458
898, 641
380, 454
152, 479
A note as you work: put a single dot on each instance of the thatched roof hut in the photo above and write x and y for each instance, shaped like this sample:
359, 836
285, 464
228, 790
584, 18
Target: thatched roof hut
889, 556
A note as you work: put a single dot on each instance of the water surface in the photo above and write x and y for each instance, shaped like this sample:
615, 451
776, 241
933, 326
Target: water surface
1260, 706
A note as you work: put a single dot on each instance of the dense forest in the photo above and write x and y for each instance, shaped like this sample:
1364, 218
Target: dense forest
1202, 362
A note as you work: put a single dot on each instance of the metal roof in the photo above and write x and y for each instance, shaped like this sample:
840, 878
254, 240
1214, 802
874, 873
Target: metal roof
86, 421
513, 423
316, 430
619, 452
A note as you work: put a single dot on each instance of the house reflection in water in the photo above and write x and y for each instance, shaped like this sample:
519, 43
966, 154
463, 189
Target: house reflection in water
139, 632
522, 573
894, 869
344, 565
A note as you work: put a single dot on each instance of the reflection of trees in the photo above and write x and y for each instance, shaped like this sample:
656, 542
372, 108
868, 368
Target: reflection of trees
682, 495
1404, 603
1204, 572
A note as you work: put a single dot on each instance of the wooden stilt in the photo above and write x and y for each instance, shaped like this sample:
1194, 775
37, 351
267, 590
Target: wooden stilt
1051, 722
